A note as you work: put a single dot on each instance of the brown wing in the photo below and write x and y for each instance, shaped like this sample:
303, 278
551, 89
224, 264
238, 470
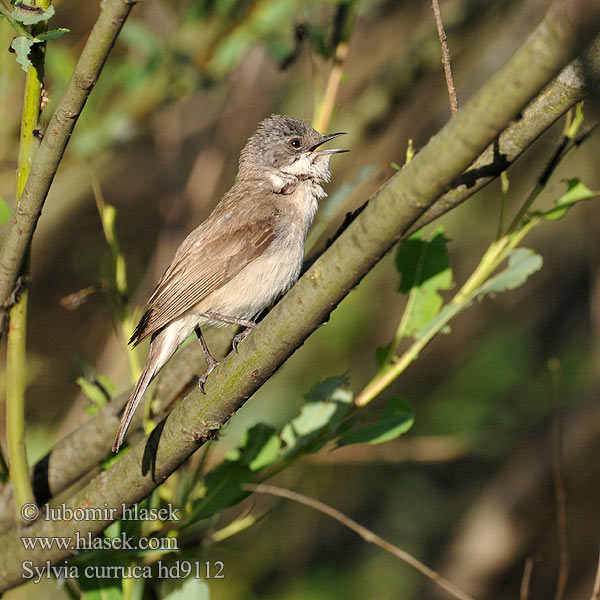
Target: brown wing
200, 267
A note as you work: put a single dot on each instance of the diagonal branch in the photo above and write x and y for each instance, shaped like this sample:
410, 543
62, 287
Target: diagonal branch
397, 204
66, 463
49, 154
556, 99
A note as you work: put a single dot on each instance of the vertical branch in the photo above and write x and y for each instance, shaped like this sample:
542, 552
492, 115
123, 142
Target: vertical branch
559, 480
596, 590
437, 13
327, 104
16, 353
118, 297
340, 44
526, 580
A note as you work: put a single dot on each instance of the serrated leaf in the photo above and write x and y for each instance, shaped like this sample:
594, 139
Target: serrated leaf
522, 263
52, 34
424, 269
4, 211
326, 406
22, 46
29, 17
397, 418
576, 192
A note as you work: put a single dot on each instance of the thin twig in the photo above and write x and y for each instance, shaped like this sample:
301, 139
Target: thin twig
559, 480
526, 581
596, 590
327, 104
341, 33
364, 533
437, 13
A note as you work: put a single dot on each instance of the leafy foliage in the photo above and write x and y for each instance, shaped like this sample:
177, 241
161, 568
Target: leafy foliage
22, 47
24, 42
322, 419
4, 211
397, 418
522, 263
576, 192
425, 270
29, 17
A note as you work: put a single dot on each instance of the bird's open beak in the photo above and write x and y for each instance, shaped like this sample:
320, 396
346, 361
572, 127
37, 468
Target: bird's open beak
324, 139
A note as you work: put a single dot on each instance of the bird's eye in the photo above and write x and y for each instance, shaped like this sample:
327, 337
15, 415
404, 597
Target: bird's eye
295, 143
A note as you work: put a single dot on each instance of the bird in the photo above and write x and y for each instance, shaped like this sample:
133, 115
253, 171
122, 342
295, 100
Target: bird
248, 252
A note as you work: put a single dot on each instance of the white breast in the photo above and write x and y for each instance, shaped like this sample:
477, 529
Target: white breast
258, 284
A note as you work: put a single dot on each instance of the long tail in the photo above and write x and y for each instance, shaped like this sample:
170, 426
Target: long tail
161, 349
134, 399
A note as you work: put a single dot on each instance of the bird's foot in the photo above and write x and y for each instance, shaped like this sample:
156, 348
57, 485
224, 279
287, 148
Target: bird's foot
241, 336
212, 365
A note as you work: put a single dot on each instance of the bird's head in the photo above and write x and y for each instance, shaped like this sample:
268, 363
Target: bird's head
287, 147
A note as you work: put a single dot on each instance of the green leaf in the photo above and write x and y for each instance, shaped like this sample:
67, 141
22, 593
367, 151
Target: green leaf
29, 17
325, 407
260, 448
93, 392
522, 263
51, 35
419, 261
222, 488
22, 46
424, 268
4, 211
99, 588
397, 418
440, 321
191, 589
382, 354
576, 192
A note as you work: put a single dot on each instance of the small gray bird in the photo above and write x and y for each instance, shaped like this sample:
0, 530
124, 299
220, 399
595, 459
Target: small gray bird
244, 255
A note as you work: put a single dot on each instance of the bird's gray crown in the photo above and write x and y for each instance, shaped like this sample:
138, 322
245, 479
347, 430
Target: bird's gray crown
287, 146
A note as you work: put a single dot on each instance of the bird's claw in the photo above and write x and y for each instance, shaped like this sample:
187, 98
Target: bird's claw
202, 379
240, 337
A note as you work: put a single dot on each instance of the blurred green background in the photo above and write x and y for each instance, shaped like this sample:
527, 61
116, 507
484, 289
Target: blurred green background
469, 490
